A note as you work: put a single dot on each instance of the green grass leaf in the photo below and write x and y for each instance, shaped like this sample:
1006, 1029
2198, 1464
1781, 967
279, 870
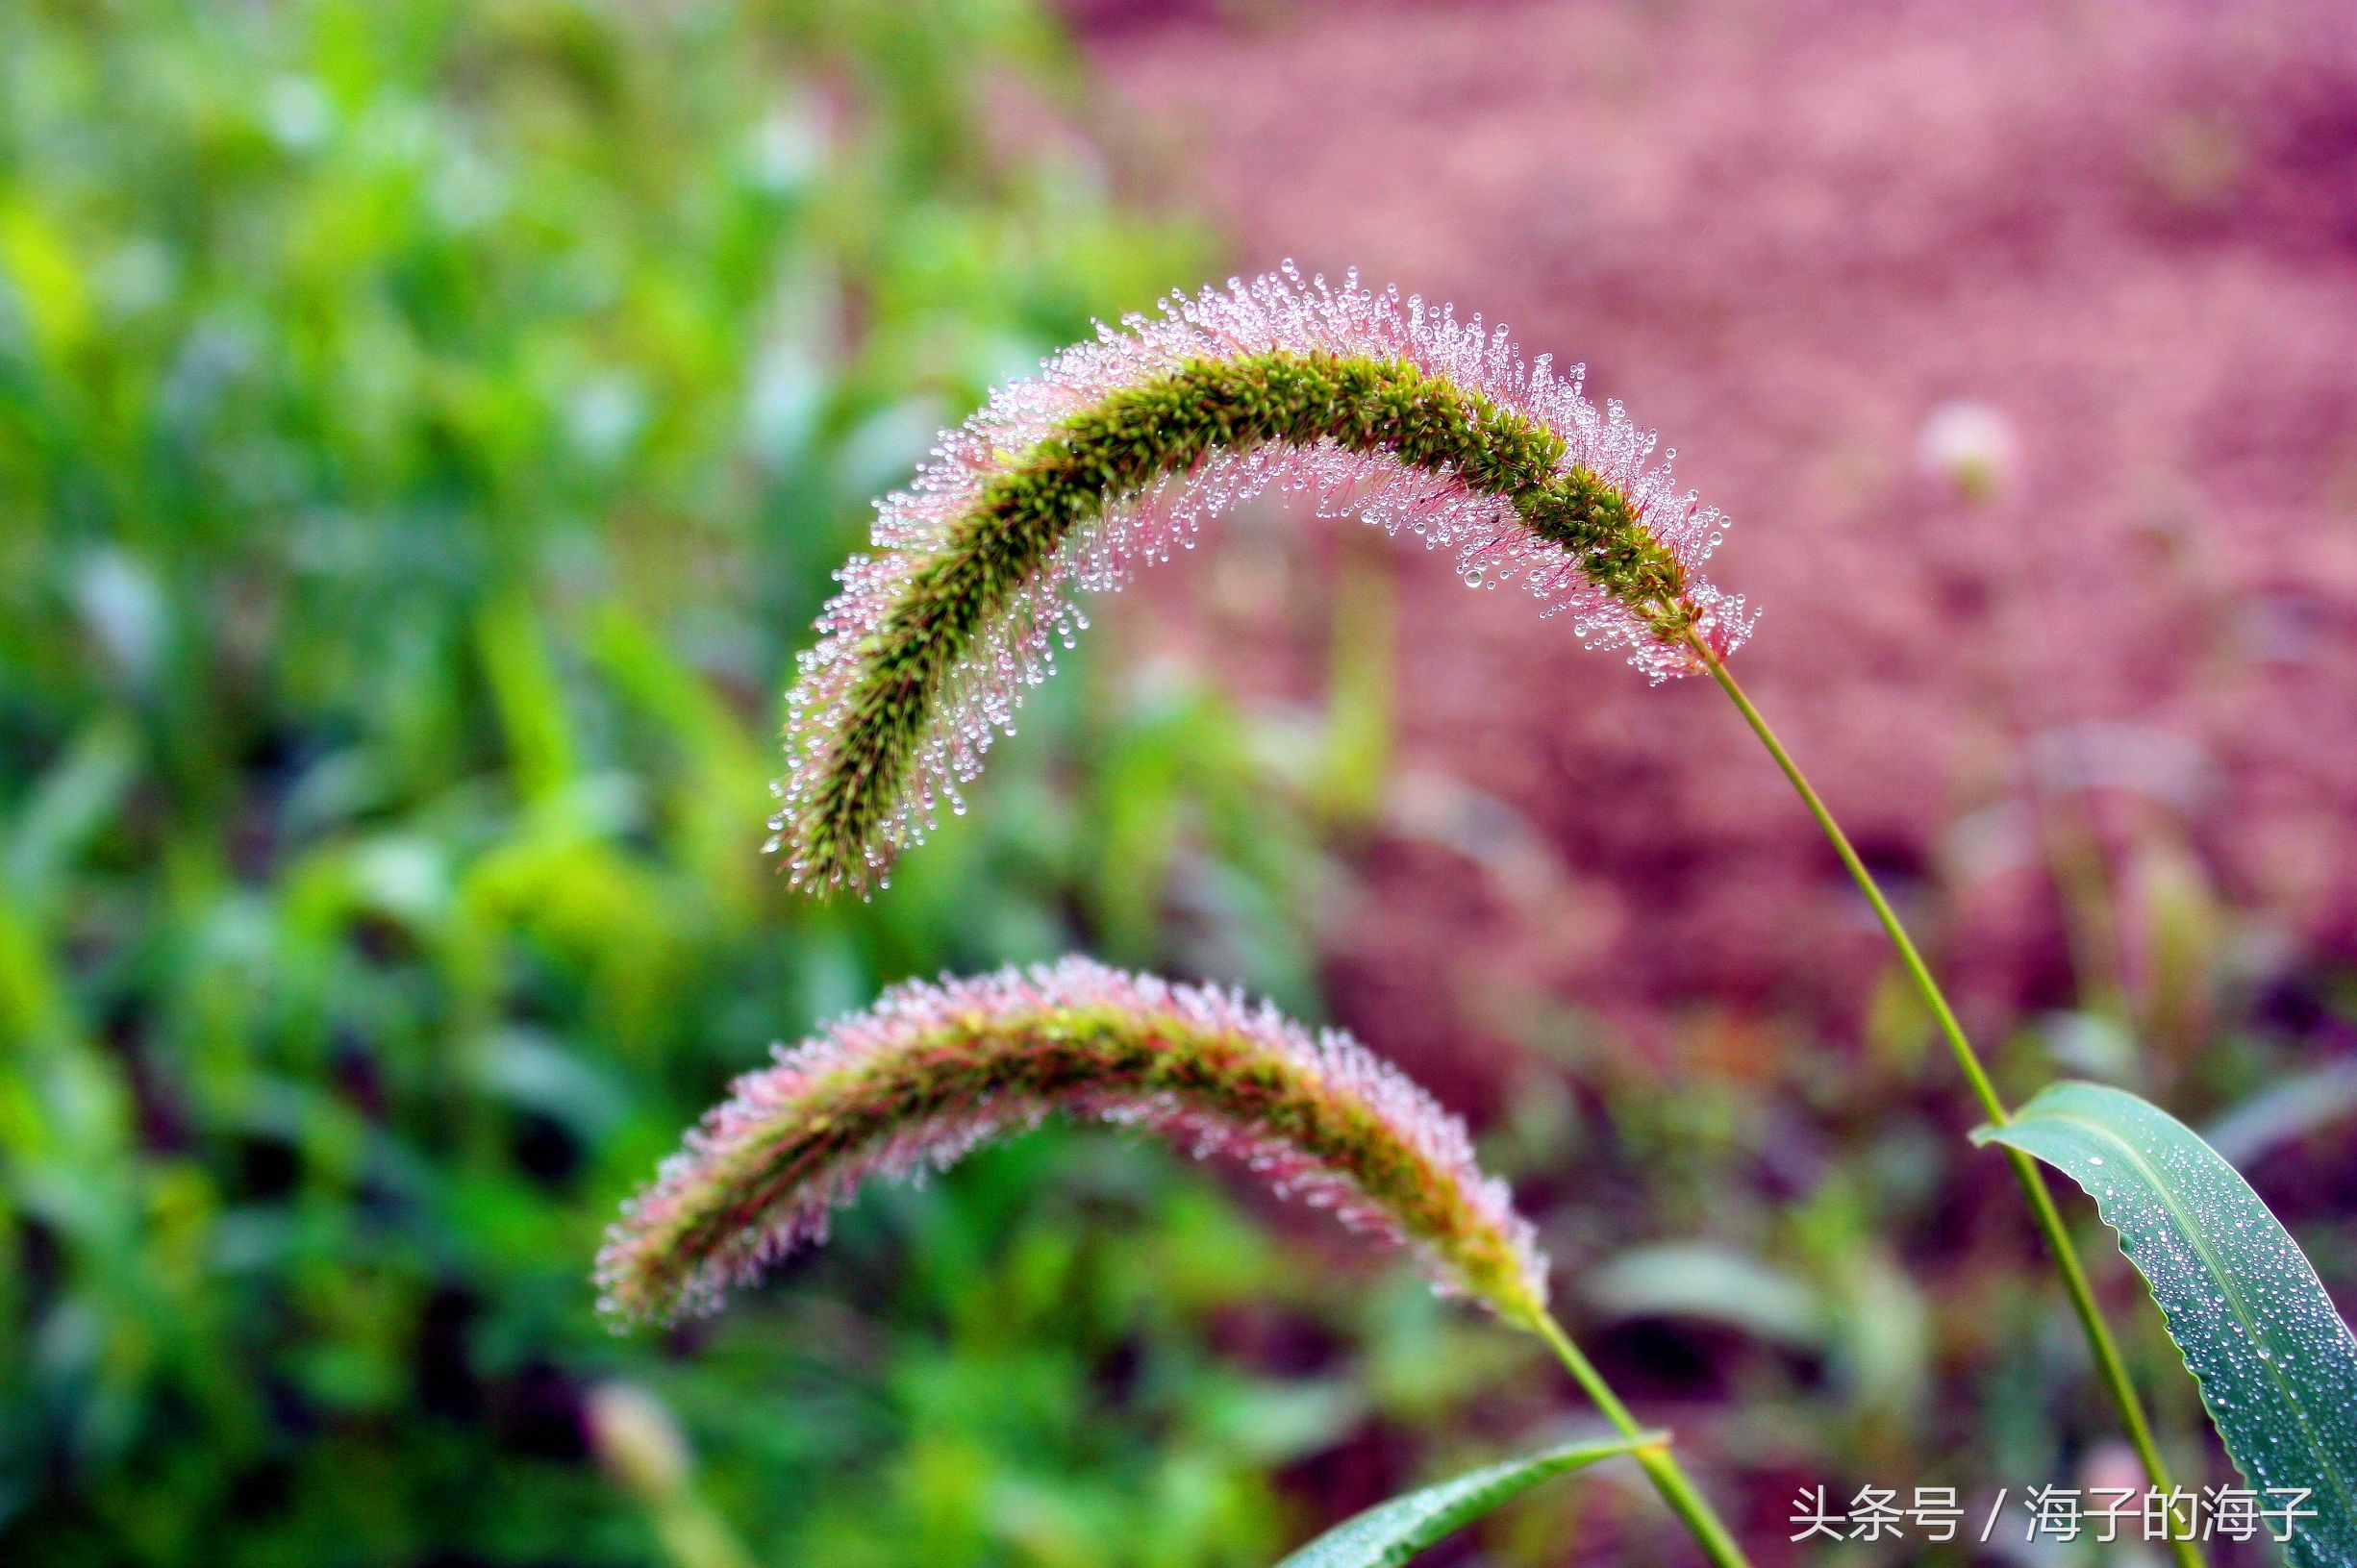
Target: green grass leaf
2277, 1367
1390, 1533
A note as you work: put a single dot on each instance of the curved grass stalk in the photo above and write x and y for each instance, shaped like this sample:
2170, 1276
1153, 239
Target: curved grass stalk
932, 1071
2109, 1365
1659, 1463
1111, 456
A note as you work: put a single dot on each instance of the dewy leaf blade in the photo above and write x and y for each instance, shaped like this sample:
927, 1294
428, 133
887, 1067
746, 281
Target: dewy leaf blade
2275, 1364
1391, 1533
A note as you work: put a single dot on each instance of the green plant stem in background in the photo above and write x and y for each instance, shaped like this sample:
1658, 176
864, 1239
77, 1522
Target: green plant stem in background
1661, 1463
2108, 1363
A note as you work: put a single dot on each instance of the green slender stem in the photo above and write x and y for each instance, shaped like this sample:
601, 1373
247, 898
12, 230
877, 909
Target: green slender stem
1660, 1463
2109, 1365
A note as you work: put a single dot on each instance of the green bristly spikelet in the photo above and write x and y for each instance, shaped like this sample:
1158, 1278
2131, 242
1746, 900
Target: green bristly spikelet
1409, 420
932, 1070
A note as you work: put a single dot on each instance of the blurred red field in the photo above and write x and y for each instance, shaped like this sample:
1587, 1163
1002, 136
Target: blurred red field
1785, 235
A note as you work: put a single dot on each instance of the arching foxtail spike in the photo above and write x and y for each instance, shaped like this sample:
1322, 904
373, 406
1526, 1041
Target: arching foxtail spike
1122, 446
933, 1070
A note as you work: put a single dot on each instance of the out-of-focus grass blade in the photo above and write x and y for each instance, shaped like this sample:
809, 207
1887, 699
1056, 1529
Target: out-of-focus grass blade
2285, 1111
2276, 1365
68, 805
1713, 1285
1390, 1533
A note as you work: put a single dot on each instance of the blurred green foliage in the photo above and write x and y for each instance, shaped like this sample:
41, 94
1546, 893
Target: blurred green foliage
425, 431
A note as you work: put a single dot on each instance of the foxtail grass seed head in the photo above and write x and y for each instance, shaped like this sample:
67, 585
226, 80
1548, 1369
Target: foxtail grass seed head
1367, 403
933, 1070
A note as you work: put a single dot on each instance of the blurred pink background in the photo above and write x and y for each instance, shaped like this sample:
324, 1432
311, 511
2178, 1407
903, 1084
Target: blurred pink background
1786, 236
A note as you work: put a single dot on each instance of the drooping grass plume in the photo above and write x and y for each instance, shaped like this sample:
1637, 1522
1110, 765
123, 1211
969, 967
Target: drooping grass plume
933, 1070
1112, 455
